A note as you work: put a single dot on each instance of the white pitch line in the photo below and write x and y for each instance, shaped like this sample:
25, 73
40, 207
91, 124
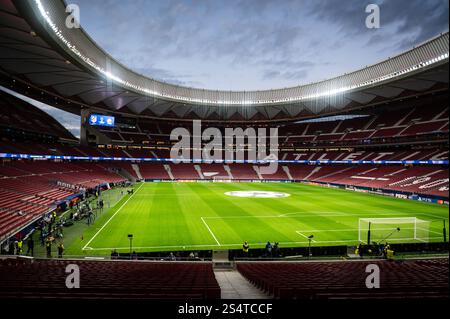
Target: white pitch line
305, 236
303, 215
251, 244
120, 208
310, 215
159, 247
431, 231
430, 215
327, 230
209, 229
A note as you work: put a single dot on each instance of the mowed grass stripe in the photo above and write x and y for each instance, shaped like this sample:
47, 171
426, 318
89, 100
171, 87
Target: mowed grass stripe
228, 232
164, 216
111, 218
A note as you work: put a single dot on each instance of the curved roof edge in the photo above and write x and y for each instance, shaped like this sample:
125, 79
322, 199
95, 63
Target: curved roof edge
77, 43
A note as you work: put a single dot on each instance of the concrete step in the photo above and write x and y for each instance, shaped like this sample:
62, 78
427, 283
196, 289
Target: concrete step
234, 286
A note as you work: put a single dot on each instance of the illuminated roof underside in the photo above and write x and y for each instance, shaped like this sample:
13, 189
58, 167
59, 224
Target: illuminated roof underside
69, 64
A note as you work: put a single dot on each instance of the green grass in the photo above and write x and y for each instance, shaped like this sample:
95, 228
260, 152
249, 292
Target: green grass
197, 216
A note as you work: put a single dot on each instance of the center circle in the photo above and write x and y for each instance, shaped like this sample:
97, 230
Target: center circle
257, 194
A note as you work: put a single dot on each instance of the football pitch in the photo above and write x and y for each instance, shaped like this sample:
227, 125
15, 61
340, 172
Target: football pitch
205, 215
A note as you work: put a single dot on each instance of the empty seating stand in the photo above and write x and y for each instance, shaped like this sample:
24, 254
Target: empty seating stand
29, 189
347, 279
108, 280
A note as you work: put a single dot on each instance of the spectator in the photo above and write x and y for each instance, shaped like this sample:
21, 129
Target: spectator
42, 236
90, 217
380, 249
4, 249
276, 250
245, 248
53, 217
30, 245
389, 254
48, 247
114, 254
134, 255
60, 250
387, 248
360, 251
268, 249
12, 248
19, 246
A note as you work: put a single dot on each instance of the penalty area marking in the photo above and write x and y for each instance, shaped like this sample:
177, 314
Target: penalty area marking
85, 247
303, 235
299, 214
313, 215
210, 231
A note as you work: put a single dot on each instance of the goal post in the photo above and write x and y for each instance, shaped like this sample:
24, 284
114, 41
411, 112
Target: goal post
394, 229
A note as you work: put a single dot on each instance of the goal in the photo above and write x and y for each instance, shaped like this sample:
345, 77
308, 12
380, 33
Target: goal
393, 229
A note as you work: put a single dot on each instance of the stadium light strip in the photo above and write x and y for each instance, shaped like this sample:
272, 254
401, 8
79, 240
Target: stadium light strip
72, 47
210, 161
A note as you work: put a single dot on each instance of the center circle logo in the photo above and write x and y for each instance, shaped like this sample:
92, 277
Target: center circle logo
257, 194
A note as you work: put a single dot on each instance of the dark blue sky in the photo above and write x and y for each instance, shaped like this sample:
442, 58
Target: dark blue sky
255, 44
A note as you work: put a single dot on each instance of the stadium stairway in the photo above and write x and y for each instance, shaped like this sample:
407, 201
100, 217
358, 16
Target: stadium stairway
234, 286
288, 173
228, 170
169, 171
126, 174
137, 170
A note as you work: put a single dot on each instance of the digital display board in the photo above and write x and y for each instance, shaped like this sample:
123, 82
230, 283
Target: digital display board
147, 159
101, 120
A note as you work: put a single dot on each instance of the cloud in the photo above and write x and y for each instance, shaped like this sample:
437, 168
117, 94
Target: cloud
289, 75
227, 44
403, 23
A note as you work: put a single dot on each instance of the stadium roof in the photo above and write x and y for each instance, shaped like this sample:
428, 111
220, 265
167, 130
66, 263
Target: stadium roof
66, 68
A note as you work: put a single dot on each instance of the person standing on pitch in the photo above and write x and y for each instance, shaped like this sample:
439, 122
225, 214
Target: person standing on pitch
245, 248
60, 250
48, 247
268, 249
30, 244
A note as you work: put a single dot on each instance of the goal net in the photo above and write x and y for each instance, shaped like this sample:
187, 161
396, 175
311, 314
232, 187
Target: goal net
393, 229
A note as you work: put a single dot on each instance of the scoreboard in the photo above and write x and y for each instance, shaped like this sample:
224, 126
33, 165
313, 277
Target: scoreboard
102, 120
